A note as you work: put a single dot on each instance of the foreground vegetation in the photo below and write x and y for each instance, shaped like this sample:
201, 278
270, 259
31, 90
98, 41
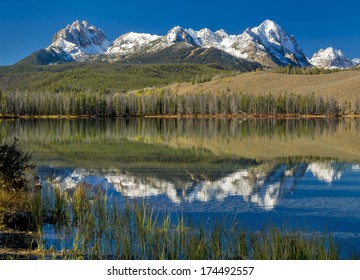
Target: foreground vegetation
95, 228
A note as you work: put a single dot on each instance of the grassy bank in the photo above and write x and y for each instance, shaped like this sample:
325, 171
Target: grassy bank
94, 227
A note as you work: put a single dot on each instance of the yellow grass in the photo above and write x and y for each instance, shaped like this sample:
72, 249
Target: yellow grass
13, 201
341, 85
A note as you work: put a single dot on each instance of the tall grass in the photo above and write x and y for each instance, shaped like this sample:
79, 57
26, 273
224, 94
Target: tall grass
101, 228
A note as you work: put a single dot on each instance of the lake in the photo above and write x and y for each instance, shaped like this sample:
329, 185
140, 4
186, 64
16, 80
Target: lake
299, 173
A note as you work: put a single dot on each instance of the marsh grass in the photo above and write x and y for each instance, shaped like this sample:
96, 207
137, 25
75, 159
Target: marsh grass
101, 228
275, 244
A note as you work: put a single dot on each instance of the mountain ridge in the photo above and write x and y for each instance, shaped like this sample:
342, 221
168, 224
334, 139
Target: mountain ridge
267, 45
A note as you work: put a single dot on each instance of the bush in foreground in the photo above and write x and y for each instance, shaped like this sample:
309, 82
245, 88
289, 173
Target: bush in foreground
14, 163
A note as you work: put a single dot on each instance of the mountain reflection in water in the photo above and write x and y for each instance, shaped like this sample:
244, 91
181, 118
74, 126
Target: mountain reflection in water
304, 172
264, 186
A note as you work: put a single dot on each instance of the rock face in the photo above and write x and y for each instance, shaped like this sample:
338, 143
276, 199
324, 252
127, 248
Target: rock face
331, 59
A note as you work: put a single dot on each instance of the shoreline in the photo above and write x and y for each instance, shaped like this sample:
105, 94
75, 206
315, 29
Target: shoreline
217, 116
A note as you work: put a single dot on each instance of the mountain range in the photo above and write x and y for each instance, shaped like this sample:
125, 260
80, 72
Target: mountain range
267, 45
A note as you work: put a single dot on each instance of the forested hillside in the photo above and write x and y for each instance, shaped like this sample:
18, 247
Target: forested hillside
113, 89
101, 77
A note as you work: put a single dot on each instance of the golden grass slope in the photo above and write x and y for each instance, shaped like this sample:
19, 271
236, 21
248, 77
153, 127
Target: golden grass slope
343, 85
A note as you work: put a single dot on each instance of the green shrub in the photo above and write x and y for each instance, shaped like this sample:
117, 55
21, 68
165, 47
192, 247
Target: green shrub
14, 163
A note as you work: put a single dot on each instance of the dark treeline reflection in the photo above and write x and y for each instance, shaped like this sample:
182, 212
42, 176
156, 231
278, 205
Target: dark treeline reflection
94, 130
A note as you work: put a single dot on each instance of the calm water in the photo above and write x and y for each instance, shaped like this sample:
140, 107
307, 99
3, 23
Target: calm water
302, 173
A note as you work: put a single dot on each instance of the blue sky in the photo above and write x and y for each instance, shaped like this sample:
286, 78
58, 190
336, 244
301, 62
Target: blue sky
26, 26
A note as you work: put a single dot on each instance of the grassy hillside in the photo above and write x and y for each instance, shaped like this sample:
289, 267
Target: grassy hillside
342, 85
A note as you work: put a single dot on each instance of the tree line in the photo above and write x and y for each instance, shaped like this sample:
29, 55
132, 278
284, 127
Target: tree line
162, 102
295, 70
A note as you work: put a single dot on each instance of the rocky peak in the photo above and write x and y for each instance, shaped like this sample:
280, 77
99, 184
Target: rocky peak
269, 45
207, 36
270, 33
269, 27
88, 38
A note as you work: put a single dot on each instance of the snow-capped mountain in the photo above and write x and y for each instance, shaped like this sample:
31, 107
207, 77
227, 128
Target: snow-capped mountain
356, 61
267, 45
331, 59
79, 41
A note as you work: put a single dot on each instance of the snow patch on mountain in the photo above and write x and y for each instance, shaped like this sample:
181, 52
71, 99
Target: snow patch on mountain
356, 61
208, 39
204, 37
131, 43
